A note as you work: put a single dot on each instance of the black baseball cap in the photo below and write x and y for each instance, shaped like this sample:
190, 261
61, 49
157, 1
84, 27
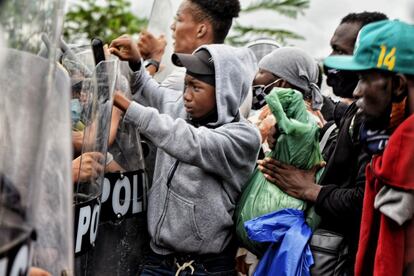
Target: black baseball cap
199, 63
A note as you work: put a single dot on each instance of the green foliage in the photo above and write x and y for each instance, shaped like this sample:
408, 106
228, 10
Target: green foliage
290, 8
87, 19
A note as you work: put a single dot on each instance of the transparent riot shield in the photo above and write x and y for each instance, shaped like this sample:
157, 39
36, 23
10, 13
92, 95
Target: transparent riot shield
96, 109
123, 238
35, 188
162, 15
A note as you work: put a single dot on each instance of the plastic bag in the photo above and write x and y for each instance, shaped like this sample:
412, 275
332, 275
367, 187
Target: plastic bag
290, 253
298, 145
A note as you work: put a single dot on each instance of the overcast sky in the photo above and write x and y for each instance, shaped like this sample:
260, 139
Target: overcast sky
316, 25
319, 21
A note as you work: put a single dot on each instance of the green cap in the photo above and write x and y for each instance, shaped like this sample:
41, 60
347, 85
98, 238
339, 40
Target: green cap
386, 45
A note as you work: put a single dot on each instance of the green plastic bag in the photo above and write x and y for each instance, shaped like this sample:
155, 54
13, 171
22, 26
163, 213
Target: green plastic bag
297, 145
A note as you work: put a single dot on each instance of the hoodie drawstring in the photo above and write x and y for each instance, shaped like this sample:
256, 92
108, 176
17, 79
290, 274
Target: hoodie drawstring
184, 266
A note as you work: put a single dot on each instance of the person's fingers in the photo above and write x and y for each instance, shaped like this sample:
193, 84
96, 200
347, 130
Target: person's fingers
266, 170
98, 168
115, 43
279, 165
35, 271
318, 166
120, 41
270, 178
275, 163
97, 156
92, 157
94, 174
269, 166
106, 50
149, 36
115, 51
95, 169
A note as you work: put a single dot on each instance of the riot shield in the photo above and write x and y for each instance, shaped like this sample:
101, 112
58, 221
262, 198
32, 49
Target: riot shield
35, 189
96, 109
123, 238
162, 15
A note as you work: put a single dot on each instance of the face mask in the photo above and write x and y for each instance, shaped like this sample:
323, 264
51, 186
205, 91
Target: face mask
76, 110
259, 93
343, 83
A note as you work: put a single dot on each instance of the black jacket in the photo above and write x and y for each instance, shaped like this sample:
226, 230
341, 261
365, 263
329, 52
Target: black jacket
339, 202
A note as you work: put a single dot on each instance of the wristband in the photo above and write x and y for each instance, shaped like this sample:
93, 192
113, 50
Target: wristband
153, 62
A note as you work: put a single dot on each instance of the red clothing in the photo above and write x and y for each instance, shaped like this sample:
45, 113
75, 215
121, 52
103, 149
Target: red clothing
385, 248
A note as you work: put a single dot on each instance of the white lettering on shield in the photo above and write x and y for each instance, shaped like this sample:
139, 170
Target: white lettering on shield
121, 206
20, 263
86, 223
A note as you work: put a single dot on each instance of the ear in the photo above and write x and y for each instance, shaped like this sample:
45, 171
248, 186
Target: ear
202, 30
399, 84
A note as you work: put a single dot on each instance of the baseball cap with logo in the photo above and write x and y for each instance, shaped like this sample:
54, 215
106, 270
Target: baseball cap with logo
386, 45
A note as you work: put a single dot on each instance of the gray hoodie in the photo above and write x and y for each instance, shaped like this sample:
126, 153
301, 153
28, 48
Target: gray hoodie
193, 214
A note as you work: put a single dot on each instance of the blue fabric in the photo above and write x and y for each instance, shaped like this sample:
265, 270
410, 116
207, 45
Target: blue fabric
289, 253
374, 141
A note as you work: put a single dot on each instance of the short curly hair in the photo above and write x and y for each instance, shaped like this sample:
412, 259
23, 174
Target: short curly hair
363, 18
219, 13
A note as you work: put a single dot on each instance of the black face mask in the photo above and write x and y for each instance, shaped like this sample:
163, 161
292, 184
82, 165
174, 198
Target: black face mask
343, 83
259, 93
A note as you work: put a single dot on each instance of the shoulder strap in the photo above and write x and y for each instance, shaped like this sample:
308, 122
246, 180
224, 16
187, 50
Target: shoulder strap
326, 136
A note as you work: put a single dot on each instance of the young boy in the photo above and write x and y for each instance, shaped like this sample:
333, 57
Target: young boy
206, 152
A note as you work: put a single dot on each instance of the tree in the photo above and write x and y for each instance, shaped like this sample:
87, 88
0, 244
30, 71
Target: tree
87, 19
290, 8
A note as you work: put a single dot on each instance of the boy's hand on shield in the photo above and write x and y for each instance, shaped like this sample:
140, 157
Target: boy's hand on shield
87, 166
125, 48
151, 47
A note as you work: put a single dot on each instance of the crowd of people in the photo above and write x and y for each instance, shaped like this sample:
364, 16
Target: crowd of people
183, 152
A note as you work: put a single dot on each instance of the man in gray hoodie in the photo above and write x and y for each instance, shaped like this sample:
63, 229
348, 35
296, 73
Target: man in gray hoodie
206, 152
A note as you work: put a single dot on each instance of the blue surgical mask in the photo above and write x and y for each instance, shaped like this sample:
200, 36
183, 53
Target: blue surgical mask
76, 109
259, 93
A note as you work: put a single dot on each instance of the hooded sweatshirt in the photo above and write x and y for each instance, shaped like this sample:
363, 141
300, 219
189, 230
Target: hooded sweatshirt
385, 247
199, 171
